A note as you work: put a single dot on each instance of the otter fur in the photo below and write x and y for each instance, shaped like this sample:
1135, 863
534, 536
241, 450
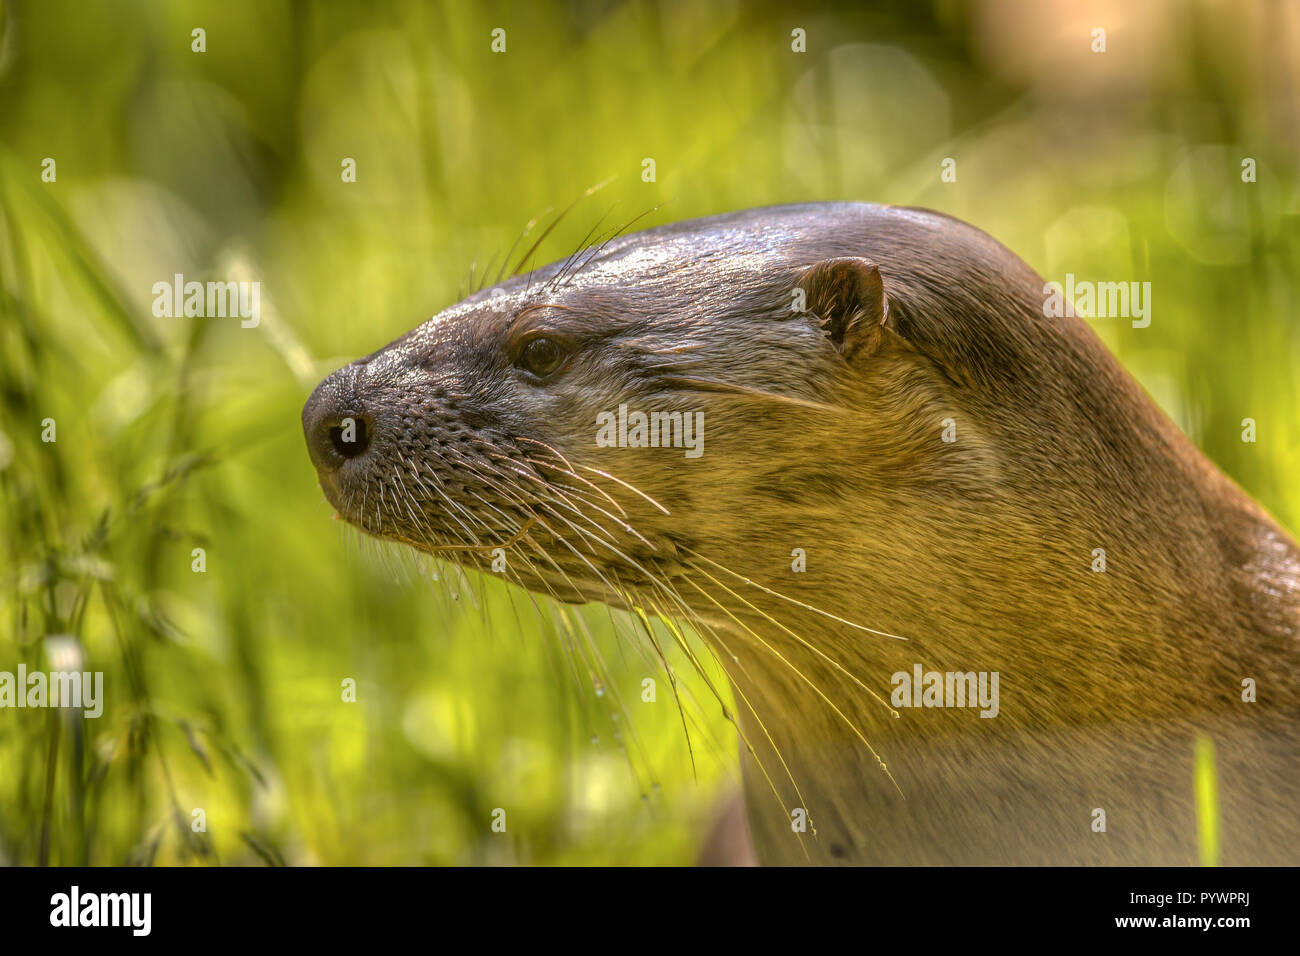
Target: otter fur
882, 394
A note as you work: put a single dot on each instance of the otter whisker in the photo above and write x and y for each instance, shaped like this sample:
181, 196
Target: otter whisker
587, 537
618, 697
641, 617
582, 244
594, 570
489, 478
550, 487
436, 488
571, 498
543, 553
630, 561
508, 521
572, 261
812, 684
426, 533
406, 499
453, 507
622, 524
601, 248
487, 267
810, 646
601, 673
580, 495
468, 281
518, 579
514, 538
555, 222
568, 470
549, 504
670, 621
795, 601
667, 618
807, 644
527, 474
631, 488
608, 682
528, 227
695, 710
379, 507
636, 602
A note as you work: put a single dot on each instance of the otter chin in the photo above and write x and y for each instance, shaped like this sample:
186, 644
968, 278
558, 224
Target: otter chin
906, 467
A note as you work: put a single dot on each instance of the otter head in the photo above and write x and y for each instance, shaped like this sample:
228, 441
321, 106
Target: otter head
714, 395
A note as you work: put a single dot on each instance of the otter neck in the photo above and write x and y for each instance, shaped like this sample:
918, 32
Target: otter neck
813, 737
1029, 596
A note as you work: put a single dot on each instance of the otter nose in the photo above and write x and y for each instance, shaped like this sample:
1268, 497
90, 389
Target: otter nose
336, 425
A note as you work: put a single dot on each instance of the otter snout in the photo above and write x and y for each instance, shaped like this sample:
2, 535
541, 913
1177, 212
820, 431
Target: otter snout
336, 423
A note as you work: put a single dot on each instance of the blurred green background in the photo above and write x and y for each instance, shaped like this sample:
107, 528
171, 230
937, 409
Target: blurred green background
223, 689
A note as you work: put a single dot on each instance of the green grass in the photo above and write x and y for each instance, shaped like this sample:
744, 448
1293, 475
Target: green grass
225, 688
1207, 803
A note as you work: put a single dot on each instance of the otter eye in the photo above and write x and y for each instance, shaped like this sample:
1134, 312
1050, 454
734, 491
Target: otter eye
541, 357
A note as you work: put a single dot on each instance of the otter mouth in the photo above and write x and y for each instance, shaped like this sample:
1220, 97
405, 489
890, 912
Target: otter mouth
387, 512
412, 462
398, 478
529, 545
530, 551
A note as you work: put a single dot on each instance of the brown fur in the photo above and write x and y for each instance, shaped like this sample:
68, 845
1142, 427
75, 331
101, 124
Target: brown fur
822, 432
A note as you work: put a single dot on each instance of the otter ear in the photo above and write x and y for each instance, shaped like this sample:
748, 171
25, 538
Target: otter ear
847, 297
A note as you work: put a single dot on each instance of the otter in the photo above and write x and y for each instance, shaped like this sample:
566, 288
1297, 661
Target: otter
909, 469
